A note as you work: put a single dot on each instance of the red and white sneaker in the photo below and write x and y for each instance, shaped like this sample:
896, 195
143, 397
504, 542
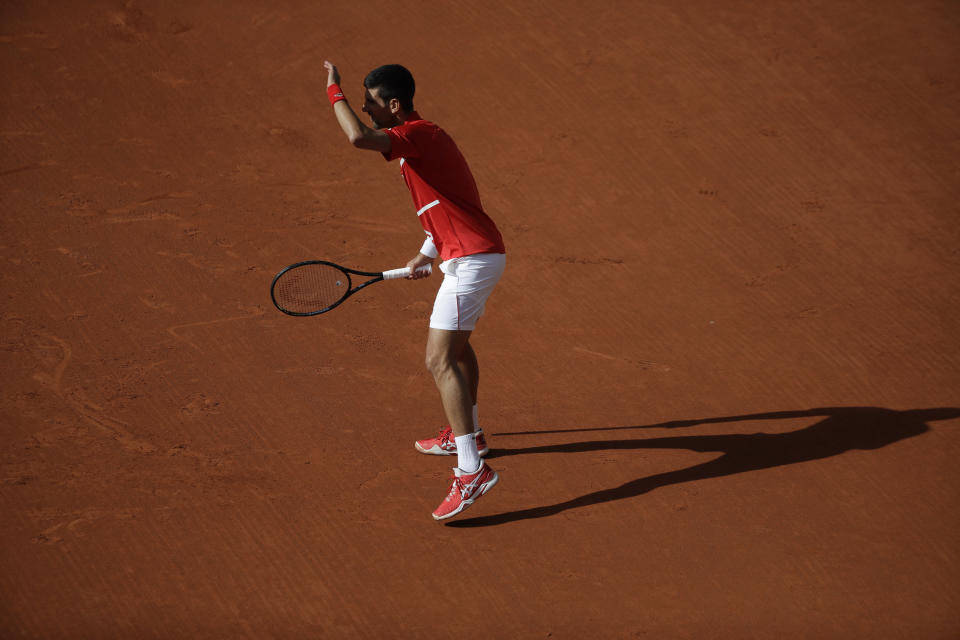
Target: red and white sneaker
465, 490
445, 444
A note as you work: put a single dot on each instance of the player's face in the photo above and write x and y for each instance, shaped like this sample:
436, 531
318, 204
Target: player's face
377, 109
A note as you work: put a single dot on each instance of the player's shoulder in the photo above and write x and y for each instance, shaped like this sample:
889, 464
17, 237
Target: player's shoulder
419, 126
425, 134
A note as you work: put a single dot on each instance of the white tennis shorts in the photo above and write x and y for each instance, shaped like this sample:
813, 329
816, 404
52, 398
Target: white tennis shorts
467, 283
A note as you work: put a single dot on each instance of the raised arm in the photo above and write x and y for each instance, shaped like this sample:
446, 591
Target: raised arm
359, 134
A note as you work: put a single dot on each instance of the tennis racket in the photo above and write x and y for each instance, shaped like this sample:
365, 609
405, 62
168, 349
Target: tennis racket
315, 286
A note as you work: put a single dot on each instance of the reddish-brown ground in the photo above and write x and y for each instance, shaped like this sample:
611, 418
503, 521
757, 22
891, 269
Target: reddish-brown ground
721, 376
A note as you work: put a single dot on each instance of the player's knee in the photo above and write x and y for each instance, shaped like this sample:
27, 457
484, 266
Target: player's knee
437, 362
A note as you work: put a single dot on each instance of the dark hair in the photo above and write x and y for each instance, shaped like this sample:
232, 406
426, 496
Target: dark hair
393, 81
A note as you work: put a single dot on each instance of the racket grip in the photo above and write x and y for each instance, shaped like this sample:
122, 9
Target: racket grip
396, 274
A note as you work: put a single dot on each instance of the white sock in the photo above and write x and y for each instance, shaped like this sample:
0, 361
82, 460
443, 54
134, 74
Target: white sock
476, 420
468, 458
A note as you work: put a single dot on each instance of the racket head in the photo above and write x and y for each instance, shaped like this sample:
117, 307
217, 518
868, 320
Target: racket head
310, 288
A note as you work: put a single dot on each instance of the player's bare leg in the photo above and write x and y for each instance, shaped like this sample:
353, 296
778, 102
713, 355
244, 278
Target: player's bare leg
453, 364
443, 444
467, 361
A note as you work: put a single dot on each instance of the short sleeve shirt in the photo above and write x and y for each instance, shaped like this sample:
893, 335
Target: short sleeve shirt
443, 190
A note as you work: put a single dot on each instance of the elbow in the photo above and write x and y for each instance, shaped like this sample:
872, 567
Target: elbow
370, 139
359, 136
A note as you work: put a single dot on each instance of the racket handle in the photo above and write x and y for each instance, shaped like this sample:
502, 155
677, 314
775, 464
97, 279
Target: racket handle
396, 274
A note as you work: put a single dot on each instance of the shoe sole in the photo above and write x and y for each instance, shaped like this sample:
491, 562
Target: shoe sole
437, 451
486, 486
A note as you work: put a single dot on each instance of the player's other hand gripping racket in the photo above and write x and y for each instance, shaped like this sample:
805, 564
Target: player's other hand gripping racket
316, 286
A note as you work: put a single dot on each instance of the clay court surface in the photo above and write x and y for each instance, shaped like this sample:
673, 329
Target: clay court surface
721, 377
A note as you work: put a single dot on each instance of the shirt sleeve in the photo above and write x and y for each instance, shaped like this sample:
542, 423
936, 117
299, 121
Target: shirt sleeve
401, 143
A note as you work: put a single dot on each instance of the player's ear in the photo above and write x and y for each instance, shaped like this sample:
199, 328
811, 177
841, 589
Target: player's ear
394, 105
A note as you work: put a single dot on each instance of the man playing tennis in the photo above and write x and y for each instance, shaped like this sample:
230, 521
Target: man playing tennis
470, 249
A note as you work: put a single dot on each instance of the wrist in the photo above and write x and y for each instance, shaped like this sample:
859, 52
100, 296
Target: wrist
335, 94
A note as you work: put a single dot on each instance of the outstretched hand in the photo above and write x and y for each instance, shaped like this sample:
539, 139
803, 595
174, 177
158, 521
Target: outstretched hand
333, 76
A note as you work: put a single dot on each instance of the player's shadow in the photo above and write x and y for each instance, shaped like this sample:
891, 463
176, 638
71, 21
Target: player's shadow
841, 429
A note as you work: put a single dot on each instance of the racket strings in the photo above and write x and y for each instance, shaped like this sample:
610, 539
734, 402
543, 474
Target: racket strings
311, 288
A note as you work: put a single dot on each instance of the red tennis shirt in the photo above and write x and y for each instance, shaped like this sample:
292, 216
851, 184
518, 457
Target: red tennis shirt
443, 189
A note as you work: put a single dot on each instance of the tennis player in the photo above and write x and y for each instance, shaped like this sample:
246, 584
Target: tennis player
470, 249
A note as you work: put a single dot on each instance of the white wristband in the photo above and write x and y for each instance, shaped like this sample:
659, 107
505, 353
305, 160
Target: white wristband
429, 249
